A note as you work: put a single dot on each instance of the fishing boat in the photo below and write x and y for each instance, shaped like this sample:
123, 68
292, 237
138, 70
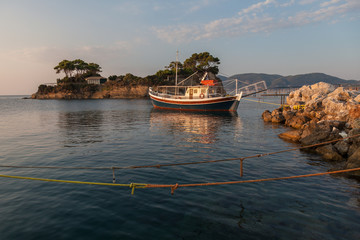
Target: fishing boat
209, 95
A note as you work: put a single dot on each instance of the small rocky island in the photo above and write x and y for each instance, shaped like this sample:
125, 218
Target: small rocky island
82, 80
321, 113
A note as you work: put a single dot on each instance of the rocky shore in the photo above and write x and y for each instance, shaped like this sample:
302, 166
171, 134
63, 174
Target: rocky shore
104, 93
321, 113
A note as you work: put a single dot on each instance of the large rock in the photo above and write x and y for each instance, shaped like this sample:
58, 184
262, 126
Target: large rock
357, 98
266, 116
355, 132
342, 147
322, 87
335, 109
355, 123
354, 162
293, 136
277, 116
340, 94
288, 114
314, 133
307, 93
315, 137
297, 121
329, 152
354, 112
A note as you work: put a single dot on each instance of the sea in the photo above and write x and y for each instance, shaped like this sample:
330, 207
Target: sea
86, 138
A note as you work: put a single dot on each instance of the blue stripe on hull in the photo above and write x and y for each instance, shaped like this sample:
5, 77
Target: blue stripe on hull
218, 106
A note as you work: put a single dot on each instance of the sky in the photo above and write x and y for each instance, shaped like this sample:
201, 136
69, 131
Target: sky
285, 37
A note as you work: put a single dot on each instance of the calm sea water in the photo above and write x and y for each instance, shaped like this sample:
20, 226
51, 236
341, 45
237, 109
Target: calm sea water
105, 133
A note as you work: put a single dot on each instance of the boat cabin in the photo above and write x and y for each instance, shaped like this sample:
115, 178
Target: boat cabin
203, 91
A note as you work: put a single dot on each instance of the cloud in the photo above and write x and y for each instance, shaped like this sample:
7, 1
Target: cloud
325, 4
287, 4
256, 6
260, 17
199, 5
305, 2
328, 11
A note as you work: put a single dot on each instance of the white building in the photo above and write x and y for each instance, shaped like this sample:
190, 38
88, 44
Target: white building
96, 80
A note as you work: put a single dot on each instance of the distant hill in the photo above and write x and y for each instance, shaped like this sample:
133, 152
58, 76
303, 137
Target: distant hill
275, 80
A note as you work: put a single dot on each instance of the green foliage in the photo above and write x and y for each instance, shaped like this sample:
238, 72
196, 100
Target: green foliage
65, 66
43, 89
112, 77
202, 62
77, 68
172, 66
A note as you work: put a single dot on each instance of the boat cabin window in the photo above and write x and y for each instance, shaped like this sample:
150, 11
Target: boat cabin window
195, 91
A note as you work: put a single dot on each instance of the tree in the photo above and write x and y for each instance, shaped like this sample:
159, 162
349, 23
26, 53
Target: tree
93, 68
172, 66
82, 68
202, 62
65, 66
112, 77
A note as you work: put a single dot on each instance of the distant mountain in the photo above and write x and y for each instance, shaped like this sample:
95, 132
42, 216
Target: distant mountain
275, 80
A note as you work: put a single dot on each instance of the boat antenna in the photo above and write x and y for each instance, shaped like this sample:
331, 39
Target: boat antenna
176, 67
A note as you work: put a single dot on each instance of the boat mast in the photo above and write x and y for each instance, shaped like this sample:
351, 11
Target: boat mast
236, 86
176, 67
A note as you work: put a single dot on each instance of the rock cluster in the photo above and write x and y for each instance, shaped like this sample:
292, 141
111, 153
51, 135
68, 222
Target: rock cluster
320, 113
115, 93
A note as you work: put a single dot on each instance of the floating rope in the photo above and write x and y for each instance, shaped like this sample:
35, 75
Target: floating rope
173, 187
130, 185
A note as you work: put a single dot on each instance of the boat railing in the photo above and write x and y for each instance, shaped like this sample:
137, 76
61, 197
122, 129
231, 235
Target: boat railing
168, 91
180, 91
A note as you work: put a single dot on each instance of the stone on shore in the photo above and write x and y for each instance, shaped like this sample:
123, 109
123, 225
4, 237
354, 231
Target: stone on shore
354, 162
277, 116
293, 135
342, 147
329, 152
266, 116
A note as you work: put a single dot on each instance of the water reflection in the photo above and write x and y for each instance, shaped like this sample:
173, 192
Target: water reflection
201, 127
80, 128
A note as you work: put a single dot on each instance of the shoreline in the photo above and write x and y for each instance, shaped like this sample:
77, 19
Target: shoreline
137, 92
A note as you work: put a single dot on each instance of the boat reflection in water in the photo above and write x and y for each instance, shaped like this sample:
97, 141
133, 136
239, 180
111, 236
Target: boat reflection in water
196, 127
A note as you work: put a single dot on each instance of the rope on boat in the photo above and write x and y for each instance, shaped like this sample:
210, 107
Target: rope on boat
173, 187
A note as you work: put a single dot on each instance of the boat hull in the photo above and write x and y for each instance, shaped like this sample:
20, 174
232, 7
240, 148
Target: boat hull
218, 104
